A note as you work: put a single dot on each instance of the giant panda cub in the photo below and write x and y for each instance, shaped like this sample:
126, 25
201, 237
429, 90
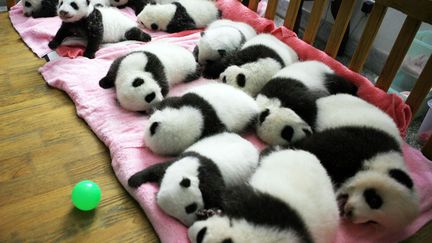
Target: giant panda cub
288, 100
288, 199
196, 179
142, 78
250, 68
178, 122
222, 37
360, 147
40, 8
179, 15
97, 25
136, 5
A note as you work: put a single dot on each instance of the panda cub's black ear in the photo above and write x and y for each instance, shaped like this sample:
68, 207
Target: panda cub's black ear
202, 33
185, 182
401, 177
222, 52
88, 2
106, 82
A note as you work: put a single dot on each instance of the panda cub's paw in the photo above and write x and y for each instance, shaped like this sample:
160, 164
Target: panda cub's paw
53, 44
135, 181
89, 54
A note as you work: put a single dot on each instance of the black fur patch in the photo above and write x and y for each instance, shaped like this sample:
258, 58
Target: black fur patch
294, 95
137, 34
287, 133
342, 151
241, 80
229, 240
201, 235
109, 80
193, 76
48, 8
153, 173
74, 5
258, 208
191, 208
150, 97
372, 198
138, 82
401, 177
264, 115
156, 68
212, 123
181, 20
335, 84
185, 182
153, 128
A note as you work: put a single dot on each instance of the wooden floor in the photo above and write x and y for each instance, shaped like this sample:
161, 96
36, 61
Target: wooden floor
45, 149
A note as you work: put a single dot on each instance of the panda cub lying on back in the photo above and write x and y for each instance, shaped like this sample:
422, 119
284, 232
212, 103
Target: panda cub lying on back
97, 25
179, 15
250, 68
288, 100
360, 147
288, 199
220, 38
142, 78
196, 179
205, 110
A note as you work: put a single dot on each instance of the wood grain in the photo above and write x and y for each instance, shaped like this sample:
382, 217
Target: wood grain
419, 9
371, 29
44, 150
421, 88
271, 9
338, 30
314, 21
253, 5
291, 14
398, 52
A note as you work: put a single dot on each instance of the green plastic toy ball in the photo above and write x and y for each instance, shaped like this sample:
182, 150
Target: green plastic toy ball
86, 195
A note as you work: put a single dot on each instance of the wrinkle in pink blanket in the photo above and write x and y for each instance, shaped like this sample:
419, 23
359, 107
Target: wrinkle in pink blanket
122, 132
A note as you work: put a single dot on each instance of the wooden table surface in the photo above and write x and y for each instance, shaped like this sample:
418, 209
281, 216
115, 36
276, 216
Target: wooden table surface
45, 149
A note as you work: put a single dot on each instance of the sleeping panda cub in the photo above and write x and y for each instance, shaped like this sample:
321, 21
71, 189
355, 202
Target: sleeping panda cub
360, 147
196, 179
220, 38
280, 203
97, 25
205, 110
179, 15
40, 8
288, 101
142, 78
250, 68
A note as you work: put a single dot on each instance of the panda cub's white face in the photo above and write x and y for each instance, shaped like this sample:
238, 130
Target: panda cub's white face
170, 131
156, 16
30, 5
206, 54
74, 10
138, 91
179, 194
281, 126
383, 196
116, 3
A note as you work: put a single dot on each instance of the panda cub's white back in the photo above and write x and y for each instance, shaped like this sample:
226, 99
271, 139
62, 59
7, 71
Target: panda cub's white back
115, 24
221, 38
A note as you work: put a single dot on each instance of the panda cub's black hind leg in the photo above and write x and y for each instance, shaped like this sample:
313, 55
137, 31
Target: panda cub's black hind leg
193, 76
137, 34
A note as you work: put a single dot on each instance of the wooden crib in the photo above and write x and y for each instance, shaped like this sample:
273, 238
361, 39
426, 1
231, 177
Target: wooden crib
417, 12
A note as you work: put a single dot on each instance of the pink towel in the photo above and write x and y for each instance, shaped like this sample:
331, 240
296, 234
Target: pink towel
37, 32
122, 131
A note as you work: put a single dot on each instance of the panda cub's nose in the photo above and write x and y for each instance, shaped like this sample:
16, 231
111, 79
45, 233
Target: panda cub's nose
150, 97
63, 13
154, 26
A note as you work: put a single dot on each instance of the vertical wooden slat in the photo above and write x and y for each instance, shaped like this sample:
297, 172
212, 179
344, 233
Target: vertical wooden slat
427, 149
421, 87
271, 9
10, 3
253, 5
291, 14
339, 27
367, 38
398, 52
314, 21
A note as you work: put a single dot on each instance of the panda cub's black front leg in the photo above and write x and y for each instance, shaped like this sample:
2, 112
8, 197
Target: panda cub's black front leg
61, 34
93, 43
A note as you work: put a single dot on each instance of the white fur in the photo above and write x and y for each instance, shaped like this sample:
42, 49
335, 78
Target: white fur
257, 74
310, 73
293, 177
224, 35
180, 128
116, 3
347, 110
73, 15
34, 6
202, 12
132, 67
104, 3
235, 157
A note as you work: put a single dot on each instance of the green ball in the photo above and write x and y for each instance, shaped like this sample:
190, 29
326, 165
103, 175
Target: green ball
86, 195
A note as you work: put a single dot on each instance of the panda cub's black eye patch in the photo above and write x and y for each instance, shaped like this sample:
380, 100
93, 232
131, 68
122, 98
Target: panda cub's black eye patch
28, 4
191, 208
224, 79
137, 82
287, 133
372, 198
264, 115
185, 183
74, 5
241, 80
201, 234
227, 241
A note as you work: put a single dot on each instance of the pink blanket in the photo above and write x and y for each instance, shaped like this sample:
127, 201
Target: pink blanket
122, 131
